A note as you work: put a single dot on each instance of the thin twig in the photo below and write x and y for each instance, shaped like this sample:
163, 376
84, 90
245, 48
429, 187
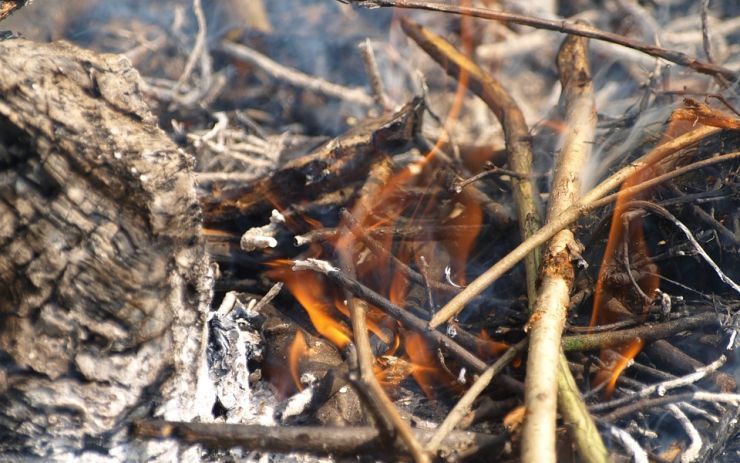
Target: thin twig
362, 235
198, 48
663, 212
295, 77
409, 320
664, 386
706, 42
630, 444
592, 200
563, 26
462, 407
692, 452
380, 401
652, 404
373, 74
647, 332
319, 440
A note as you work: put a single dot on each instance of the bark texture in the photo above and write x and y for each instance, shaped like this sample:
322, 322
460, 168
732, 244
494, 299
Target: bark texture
103, 276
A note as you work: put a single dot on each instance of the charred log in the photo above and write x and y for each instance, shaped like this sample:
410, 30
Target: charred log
103, 282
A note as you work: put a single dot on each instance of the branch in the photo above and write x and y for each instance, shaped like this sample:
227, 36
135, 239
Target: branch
563, 26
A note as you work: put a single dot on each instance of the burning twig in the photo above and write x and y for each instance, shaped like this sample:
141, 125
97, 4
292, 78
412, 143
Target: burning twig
325, 440
376, 247
462, 407
590, 201
408, 319
663, 212
295, 77
647, 332
378, 398
563, 26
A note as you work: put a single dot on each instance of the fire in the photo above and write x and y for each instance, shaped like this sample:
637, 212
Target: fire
315, 295
426, 368
627, 354
297, 351
488, 348
631, 235
389, 204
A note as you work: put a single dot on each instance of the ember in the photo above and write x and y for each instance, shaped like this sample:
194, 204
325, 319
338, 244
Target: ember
440, 235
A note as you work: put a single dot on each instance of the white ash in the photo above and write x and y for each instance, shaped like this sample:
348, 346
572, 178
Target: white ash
262, 237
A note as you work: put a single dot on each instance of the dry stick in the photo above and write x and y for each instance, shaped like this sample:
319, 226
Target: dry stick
295, 77
592, 200
462, 407
662, 387
380, 401
563, 26
516, 133
705, 31
557, 280
320, 440
585, 342
651, 404
198, 48
373, 75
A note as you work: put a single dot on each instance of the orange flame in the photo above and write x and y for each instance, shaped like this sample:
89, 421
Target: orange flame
675, 128
426, 370
488, 347
315, 295
460, 245
296, 352
627, 354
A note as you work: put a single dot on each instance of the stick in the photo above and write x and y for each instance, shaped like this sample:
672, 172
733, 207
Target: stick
379, 399
692, 452
592, 200
652, 404
563, 26
462, 407
323, 440
544, 384
373, 75
295, 77
647, 333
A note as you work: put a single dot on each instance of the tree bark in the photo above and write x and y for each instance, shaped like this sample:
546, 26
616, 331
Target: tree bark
104, 282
